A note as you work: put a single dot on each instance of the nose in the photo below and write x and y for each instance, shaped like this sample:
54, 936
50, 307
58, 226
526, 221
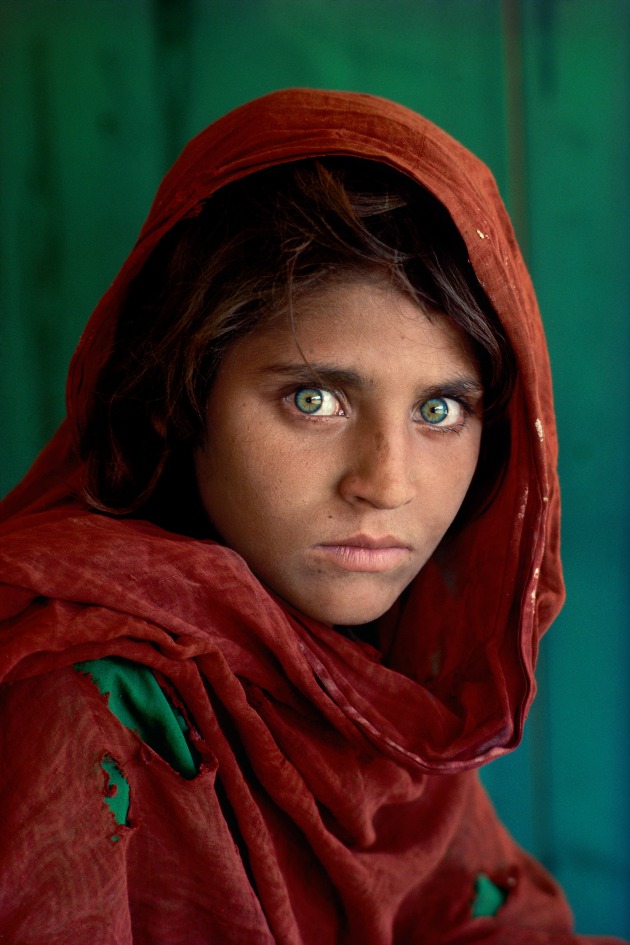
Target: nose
379, 469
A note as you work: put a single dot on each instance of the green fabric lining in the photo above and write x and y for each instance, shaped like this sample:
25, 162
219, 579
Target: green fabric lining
488, 897
138, 702
118, 797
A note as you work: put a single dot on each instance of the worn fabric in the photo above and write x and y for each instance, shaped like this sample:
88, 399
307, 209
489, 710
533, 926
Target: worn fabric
336, 797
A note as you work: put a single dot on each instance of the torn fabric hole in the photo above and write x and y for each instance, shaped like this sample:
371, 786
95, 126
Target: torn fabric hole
136, 699
117, 793
488, 897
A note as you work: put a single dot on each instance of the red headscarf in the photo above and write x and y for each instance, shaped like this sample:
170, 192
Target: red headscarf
336, 799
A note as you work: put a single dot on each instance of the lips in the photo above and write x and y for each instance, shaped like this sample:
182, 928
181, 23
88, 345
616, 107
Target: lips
365, 553
367, 541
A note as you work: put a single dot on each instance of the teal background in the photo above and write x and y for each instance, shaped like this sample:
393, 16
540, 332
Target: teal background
96, 99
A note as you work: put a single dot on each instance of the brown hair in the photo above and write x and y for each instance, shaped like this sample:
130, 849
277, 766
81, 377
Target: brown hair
254, 249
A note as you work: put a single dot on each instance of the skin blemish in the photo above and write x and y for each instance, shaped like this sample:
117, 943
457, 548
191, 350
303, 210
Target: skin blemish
539, 429
482, 236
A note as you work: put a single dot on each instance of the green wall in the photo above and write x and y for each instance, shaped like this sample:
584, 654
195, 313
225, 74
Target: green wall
98, 96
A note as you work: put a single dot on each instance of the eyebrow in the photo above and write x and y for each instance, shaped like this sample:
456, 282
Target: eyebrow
331, 375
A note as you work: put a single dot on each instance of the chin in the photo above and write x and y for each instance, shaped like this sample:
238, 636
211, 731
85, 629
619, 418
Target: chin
348, 613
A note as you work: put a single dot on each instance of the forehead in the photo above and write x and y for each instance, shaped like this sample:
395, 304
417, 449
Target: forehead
366, 323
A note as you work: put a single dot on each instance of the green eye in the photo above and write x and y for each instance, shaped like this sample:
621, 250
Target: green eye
309, 400
435, 410
317, 400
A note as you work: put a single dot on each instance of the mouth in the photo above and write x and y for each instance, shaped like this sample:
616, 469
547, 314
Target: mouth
366, 554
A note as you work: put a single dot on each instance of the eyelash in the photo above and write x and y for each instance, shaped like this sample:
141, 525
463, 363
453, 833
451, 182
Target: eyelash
467, 409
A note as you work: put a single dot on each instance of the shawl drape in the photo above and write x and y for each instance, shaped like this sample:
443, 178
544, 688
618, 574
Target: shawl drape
337, 797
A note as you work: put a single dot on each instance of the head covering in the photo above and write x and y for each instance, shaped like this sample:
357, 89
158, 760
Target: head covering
317, 746
504, 587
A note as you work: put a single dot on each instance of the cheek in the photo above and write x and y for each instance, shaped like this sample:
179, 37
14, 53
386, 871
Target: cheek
464, 468
242, 480
454, 476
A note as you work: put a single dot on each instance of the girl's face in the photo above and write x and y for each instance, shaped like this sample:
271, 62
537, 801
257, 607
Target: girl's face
338, 453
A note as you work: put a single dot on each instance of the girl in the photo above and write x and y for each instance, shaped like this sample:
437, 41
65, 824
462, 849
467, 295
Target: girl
274, 591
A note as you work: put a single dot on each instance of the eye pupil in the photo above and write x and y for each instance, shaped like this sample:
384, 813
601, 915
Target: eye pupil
309, 400
434, 410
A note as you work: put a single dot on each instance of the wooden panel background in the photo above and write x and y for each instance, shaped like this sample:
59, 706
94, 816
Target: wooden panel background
98, 96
